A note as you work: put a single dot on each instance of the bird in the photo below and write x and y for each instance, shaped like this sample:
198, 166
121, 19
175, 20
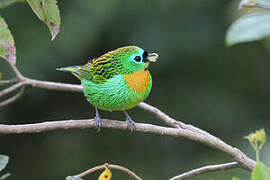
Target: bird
116, 81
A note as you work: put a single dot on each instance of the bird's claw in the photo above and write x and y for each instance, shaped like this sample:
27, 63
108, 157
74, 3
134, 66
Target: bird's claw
98, 123
130, 124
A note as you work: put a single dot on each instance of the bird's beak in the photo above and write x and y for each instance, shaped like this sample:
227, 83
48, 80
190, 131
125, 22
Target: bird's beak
152, 57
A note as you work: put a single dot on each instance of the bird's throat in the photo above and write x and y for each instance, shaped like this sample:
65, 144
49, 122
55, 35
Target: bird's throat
138, 81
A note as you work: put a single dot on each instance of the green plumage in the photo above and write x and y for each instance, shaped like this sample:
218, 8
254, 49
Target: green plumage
110, 81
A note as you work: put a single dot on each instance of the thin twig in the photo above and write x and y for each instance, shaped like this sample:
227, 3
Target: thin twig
11, 88
205, 169
168, 120
23, 82
20, 82
121, 168
16, 71
11, 81
13, 98
109, 166
89, 171
129, 172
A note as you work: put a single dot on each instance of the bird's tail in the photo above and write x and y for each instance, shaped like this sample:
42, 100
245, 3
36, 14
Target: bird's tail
72, 69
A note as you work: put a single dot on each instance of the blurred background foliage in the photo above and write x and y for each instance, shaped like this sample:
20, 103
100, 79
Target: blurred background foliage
225, 91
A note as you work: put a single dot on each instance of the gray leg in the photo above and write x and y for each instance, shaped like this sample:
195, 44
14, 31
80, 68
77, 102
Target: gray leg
98, 120
130, 123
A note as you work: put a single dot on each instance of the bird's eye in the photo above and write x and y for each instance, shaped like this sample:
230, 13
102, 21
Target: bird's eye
137, 58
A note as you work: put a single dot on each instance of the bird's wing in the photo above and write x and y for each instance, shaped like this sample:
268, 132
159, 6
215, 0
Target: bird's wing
100, 69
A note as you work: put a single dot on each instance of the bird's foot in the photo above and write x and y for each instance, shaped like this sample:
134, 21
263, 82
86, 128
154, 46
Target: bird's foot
98, 121
130, 122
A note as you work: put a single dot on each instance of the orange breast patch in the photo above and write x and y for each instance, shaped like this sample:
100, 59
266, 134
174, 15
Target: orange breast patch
138, 81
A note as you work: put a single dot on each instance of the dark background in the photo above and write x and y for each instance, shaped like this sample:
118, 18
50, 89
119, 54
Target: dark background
198, 80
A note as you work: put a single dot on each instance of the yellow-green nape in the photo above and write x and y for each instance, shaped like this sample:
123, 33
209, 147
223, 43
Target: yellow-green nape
130, 49
126, 50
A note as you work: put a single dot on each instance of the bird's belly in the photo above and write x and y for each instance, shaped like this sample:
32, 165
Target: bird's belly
115, 94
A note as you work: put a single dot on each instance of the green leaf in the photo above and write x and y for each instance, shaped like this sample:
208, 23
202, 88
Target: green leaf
249, 28
3, 161
235, 178
7, 46
260, 172
48, 12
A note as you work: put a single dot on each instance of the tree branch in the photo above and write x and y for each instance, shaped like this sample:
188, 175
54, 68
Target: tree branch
16, 71
212, 141
205, 169
53, 85
2, 82
13, 98
11, 88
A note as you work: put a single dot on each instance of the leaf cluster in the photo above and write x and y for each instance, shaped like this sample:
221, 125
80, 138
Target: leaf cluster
257, 141
46, 10
253, 25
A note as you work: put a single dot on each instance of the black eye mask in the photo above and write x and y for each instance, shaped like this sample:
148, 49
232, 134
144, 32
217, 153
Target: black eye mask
145, 55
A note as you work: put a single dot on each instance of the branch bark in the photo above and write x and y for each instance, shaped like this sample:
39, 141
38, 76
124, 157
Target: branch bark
13, 98
205, 169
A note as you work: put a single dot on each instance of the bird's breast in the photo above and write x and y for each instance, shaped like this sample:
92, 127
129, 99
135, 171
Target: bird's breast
138, 81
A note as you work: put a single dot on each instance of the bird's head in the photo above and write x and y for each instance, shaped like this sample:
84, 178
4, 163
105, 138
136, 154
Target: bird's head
134, 58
